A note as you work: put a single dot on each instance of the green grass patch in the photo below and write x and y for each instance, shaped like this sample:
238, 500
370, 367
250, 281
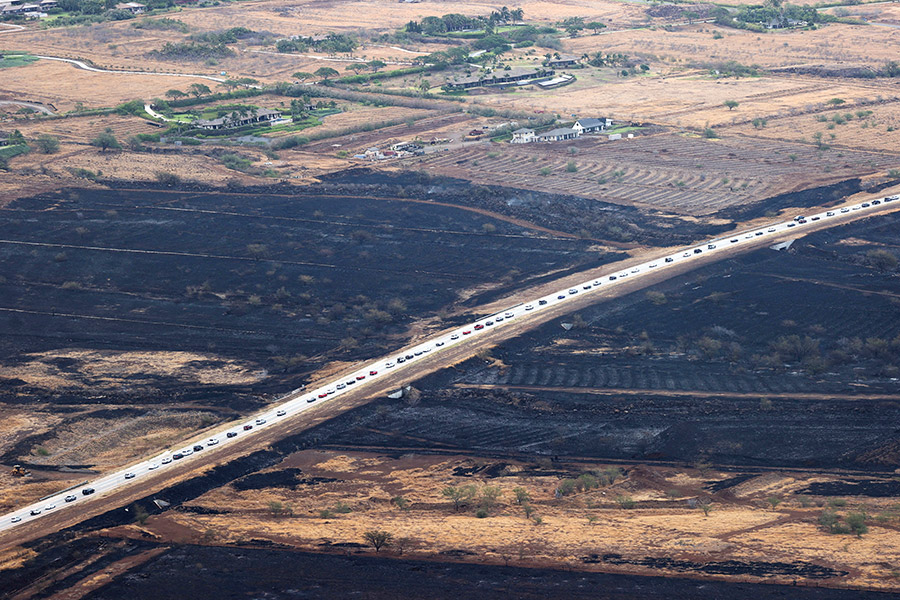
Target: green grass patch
16, 60
7, 152
623, 129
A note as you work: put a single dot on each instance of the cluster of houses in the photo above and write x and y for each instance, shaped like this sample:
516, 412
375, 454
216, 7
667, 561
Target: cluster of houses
235, 120
26, 9
38, 10
581, 126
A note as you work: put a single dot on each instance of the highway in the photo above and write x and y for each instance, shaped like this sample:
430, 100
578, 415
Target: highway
295, 403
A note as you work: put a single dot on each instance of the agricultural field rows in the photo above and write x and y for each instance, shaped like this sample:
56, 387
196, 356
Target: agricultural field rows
678, 173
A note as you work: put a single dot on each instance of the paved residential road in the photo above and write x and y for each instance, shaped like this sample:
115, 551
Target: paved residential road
304, 408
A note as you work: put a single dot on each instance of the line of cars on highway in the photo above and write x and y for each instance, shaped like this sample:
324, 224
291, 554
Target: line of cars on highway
298, 401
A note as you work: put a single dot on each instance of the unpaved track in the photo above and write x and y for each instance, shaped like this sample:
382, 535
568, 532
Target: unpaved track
95, 505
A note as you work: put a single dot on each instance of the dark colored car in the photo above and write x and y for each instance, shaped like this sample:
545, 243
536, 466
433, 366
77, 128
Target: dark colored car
231, 434
87, 491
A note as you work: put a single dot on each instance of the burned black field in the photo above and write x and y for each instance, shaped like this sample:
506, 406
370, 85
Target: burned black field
786, 359
191, 572
281, 282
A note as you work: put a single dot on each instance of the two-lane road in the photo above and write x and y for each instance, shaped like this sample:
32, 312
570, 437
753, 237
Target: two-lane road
451, 343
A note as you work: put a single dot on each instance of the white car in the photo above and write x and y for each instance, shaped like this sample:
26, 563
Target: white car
280, 413
50, 507
154, 466
508, 315
15, 519
388, 365
212, 442
166, 460
129, 475
529, 307
187, 451
263, 421
455, 336
341, 386
596, 282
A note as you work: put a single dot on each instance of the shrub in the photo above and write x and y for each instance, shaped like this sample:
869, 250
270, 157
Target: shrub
625, 502
48, 144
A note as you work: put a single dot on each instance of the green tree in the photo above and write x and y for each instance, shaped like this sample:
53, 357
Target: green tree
302, 75
199, 89
459, 495
376, 65
325, 73
106, 140
489, 496
595, 26
731, 104
378, 539
522, 495
175, 94
856, 521
48, 144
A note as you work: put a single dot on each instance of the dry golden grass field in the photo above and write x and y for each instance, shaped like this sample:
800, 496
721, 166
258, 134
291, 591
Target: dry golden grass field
742, 525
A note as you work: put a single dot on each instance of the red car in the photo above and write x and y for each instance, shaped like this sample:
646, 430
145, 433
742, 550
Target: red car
323, 394
373, 372
479, 326
248, 427
360, 377
467, 332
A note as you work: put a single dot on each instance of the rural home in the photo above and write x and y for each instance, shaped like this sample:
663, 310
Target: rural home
522, 136
558, 135
498, 77
591, 125
132, 7
238, 120
565, 60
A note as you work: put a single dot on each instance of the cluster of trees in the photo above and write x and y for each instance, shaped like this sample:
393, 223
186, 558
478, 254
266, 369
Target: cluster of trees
163, 24
192, 51
450, 23
773, 14
573, 25
333, 43
226, 36
854, 522
204, 46
589, 481
195, 89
